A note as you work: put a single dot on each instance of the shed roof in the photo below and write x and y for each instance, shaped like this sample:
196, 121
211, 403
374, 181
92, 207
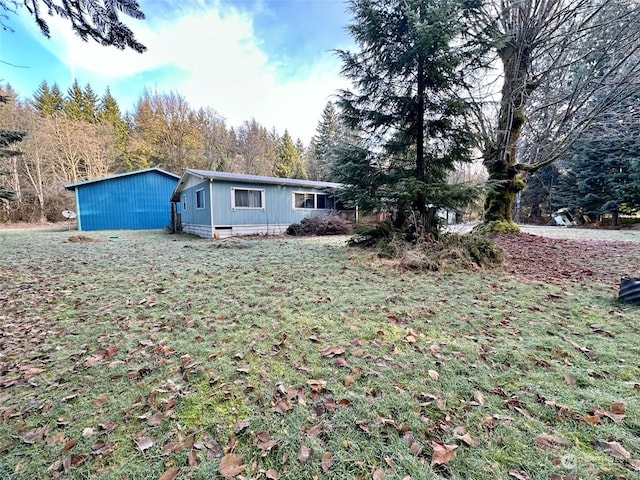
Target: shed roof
72, 186
242, 178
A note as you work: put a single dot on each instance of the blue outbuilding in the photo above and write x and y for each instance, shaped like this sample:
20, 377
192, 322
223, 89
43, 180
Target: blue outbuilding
128, 201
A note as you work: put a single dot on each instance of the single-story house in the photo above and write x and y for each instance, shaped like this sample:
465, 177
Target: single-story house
127, 201
220, 204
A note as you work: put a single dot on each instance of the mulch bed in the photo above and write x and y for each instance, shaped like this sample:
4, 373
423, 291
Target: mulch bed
563, 261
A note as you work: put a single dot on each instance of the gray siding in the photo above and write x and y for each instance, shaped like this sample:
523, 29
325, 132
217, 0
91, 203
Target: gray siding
278, 205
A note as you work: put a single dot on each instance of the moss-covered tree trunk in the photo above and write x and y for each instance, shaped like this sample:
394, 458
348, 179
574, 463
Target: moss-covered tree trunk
500, 156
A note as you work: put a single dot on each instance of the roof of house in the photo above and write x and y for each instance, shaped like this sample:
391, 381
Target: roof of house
72, 186
241, 178
238, 177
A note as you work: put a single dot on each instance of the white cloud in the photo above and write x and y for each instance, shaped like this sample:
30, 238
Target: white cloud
214, 59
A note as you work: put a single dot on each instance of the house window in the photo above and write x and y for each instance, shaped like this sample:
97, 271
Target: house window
200, 199
320, 201
247, 198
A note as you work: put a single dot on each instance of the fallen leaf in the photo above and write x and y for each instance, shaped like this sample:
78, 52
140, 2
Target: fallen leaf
102, 448
192, 458
435, 351
433, 374
73, 461
87, 432
461, 434
305, 454
143, 442
618, 408
171, 447
634, 464
69, 445
332, 351
479, 398
348, 380
443, 453
519, 474
327, 461
569, 379
272, 474
377, 474
231, 465
614, 449
264, 442
548, 441
35, 435
240, 426
170, 474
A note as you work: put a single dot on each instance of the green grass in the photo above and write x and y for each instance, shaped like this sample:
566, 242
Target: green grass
201, 335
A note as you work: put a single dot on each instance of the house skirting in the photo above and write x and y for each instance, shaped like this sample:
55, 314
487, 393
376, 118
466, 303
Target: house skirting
235, 230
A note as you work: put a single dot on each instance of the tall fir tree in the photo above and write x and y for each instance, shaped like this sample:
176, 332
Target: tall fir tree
48, 100
108, 113
329, 134
289, 161
73, 102
406, 107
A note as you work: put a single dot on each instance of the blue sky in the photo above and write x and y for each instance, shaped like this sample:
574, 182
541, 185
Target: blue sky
270, 60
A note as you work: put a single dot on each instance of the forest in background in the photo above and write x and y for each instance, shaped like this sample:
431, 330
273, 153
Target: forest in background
80, 134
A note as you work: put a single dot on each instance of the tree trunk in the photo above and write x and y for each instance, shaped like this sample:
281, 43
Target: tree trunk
500, 156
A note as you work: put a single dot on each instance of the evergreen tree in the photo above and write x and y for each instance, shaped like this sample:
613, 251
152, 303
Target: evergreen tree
7, 139
289, 162
329, 134
73, 104
406, 108
48, 101
90, 19
108, 113
89, 104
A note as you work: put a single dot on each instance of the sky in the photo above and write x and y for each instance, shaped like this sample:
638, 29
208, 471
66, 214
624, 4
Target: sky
271, 60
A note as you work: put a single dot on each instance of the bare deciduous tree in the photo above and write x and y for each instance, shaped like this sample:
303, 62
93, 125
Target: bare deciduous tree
563, 63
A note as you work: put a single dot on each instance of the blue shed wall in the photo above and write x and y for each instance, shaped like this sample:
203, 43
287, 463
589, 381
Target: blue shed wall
132, 202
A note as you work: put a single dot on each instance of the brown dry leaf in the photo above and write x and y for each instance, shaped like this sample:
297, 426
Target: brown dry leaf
519, 474
240, 426
155, 419
102, 448
35, 435
73, 461
170, 474
341, 362
143, 442
548, 441
433, 374
327, 461
414, 447
57, 438
377, 474
231, 465
283, 405
436, 352
332, 351
462, 434
87, 432
592, 419
316, 385
69, 445
264, 442
614, 449
443, 453
348, 380
479, 398
305, 454
634, 464
171, 447
100, 400
272, 474
618, 408
569, 379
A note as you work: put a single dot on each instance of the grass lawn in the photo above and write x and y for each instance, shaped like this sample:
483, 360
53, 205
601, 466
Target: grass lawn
151, 356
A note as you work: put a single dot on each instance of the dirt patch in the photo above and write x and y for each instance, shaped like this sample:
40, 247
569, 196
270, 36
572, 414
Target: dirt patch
561, 260
82, 239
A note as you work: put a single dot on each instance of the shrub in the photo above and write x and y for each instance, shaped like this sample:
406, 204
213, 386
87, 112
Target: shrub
320, 225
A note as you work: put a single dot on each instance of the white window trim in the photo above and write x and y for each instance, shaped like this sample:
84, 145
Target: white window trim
204, 203
315, 200
233, 198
